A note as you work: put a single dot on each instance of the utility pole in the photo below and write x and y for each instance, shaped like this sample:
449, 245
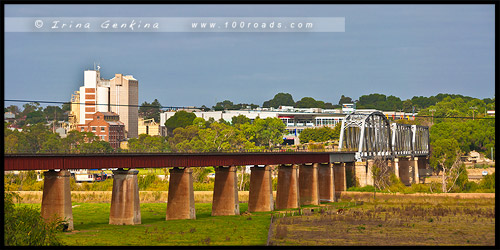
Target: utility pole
473, 108
432, 110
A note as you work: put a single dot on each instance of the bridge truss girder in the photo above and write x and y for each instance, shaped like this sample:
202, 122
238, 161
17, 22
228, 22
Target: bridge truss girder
367, 133
371, 134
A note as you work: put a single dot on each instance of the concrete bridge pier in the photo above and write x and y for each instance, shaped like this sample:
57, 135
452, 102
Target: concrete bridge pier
360, 173
308, 184
180, 203
340, 178
287, 193
404, 170
395, 166
423, 164
369, 173
225, 199
414, 170
56, 198
125, 207
350, 174
260, 197
326, 182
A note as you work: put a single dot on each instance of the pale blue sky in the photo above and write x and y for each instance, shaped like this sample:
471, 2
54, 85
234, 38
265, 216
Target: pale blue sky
400, 50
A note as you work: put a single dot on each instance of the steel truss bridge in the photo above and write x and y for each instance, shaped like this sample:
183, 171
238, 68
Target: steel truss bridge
371, 135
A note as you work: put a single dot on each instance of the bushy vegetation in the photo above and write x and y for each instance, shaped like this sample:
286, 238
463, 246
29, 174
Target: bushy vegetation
23, 225
320, 134
38, 138
486, 185
24, 181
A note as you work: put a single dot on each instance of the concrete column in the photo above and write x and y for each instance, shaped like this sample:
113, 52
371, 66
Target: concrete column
360, 173
56, 198
308, 184
404, 170
260, 196
395, 166
287, 193
225, 200
180, 203
326, 182
414, 170
423, 165
339, 172
350, 175
369, 173
125, 208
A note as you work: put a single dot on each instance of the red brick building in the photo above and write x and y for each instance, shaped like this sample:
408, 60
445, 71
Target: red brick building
107, 126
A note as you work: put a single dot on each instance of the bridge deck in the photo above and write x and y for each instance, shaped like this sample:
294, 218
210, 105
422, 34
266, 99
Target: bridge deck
163, 160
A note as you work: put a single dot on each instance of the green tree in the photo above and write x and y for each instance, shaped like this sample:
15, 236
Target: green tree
180, 119
51, 113
269, 131
226, 105
181, 138
320, 134
12, 108
200, 123
240, 119
148, 144
150, 110
280, 99
309, 102
53, 144
96, 147
32, 138
345, 99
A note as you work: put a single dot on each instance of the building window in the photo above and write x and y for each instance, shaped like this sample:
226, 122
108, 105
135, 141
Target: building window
82, 129
93, 129
103, 129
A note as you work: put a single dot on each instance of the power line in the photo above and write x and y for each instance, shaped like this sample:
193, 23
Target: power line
192, 107
129, 105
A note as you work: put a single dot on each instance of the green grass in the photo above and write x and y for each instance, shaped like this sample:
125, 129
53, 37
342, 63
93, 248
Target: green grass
91, 227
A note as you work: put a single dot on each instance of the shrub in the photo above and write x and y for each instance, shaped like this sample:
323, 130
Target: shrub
203, 186
23, 226
367, 188
488, 182
146, 180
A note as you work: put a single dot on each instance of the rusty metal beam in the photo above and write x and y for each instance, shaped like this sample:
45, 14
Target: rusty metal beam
156, 160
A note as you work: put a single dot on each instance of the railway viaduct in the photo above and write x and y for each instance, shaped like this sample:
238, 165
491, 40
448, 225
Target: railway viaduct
304, 178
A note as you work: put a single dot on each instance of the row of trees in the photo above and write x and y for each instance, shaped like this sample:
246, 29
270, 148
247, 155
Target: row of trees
39, 138
33, 113
415, 104
189, 134
194, 134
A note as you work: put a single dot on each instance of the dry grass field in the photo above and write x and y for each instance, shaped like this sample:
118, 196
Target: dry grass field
394, 220
105, 196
